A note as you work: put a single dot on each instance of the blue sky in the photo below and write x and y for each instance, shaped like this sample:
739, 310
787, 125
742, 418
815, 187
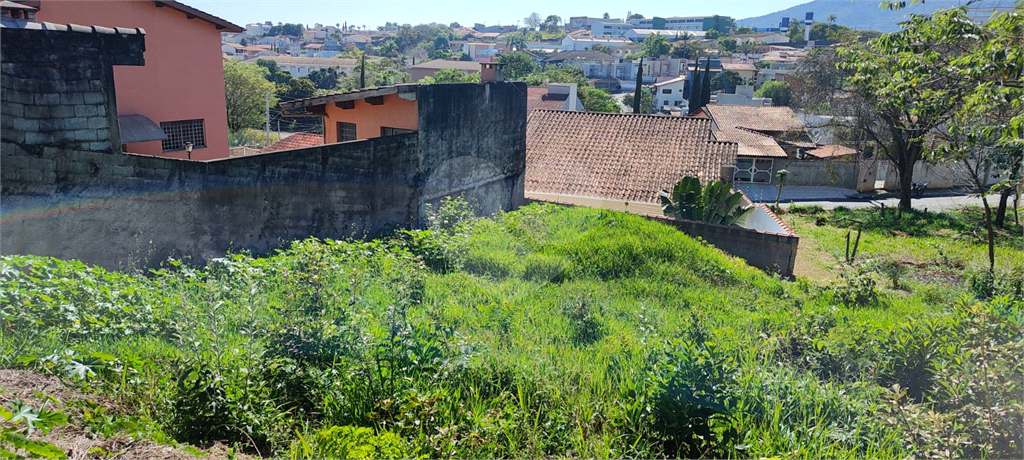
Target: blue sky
375, 13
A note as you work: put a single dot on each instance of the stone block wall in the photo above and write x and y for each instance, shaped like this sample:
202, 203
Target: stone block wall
58, 88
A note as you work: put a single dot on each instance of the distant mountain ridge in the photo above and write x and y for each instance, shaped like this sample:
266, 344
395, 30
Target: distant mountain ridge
860, 14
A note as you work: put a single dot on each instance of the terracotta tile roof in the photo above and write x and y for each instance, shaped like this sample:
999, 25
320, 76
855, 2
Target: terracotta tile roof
618, 156
295, 141
746, 125
538, 98
829, 151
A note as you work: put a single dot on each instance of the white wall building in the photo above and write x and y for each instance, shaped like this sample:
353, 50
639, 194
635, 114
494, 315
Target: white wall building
570, 43
610, 29
669, 94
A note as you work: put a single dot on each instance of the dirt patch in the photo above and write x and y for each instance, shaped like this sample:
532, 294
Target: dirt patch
74, 439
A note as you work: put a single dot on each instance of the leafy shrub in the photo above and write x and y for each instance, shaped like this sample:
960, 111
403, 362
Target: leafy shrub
973, 408
907, 354
586, 329
693, 385
350, 442
988, 285
856, 289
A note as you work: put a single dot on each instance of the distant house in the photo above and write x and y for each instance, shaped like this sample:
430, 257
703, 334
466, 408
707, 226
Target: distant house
768, 38
177, 97
746, 70
556, 96
480, 51
572, 43
639, 35
744, 95
760, 133
294, 141
302, 66
429, 68
669, 94
594, 64
618, 161
610, 28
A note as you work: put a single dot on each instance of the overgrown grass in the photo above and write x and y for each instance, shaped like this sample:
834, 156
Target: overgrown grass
543, 332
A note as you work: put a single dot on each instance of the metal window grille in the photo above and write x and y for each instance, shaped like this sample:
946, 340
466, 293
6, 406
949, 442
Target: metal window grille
387, 131
180, 132
753, 170
346, 132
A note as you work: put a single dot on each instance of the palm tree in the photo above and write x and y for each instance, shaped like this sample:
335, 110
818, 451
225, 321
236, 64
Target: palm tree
831, 19
715, 203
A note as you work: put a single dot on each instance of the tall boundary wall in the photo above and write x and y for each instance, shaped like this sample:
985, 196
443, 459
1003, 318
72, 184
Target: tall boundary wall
69, 192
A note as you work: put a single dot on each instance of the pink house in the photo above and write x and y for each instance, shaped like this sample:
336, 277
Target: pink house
178, 96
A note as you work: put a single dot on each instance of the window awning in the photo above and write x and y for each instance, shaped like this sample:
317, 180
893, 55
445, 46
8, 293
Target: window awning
137, 128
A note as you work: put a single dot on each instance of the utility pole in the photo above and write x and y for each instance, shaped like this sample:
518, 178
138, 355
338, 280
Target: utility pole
268, 117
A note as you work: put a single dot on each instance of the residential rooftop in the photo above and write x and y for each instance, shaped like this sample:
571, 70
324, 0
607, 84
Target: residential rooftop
624, 157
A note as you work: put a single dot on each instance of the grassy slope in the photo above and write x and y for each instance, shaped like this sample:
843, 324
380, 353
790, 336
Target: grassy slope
544, 332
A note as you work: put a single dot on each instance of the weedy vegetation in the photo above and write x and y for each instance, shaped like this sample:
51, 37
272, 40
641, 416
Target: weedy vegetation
544, 332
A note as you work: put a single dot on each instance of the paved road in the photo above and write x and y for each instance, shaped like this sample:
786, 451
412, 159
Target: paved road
831, 197
929, 202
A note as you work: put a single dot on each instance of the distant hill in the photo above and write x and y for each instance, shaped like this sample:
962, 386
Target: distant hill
861, 14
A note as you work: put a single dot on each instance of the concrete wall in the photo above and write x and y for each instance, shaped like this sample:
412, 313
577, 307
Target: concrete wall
829, 173
70, 195
473, 141
770, 252
117, 210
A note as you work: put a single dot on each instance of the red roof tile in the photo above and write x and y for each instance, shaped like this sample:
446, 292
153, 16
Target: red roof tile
295, 141
746, 125
830, 151
538, 98
619, 156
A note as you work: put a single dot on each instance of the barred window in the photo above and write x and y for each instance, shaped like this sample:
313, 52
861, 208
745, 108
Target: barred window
180, 132
388, 131
346, 131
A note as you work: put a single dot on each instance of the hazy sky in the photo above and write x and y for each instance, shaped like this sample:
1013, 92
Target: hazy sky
465, 12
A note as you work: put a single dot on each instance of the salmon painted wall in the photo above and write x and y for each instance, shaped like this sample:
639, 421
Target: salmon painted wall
394, 113
183, 78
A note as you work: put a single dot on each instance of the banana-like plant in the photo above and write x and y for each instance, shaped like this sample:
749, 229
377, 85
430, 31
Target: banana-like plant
716, 203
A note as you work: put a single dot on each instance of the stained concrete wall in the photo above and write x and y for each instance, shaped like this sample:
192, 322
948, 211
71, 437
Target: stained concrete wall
79, 198
827, 173
771, 252
473, 142
118, 210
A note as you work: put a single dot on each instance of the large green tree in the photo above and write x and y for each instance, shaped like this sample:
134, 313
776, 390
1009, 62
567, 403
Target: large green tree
245, 92
905, 84
517, 65
780, 92
595, 100
656, 46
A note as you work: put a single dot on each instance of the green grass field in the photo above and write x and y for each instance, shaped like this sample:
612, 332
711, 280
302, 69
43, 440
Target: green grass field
547, 332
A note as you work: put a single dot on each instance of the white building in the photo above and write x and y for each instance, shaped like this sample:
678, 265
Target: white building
610, 29
690, 23
744, 96
669, 94
639, 35
302, 66
570, 43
